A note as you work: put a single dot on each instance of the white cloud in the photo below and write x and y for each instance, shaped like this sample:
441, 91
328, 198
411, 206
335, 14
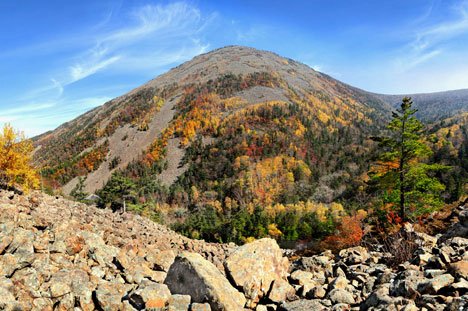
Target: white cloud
158, 35
144, 42
83, 70
427, 42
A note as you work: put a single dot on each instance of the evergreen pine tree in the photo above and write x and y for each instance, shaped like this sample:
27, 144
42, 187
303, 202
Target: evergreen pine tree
400, 171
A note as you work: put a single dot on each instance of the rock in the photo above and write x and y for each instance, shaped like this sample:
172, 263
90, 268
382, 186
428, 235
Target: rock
7, 300
280, 291
354, 255
461, 286
191, 274
406, 284
150, 295
431, 273
200, 307
317, 263
341, 296
178, 303
317, 292
161, 260
109, 295
380, 297
341, 307
459, 269
301, 277
254, 266
426, 240
42, 304
340, 283
432, 286
302, 305
307, 286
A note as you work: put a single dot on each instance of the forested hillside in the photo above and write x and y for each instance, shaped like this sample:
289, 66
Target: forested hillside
235, 144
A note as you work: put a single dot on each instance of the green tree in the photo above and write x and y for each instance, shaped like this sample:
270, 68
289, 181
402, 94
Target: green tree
78, 192
117, 190
400, 171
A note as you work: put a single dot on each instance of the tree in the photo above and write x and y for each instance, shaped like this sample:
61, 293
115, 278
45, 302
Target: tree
407, 181
117, 190
78, 192
16, 169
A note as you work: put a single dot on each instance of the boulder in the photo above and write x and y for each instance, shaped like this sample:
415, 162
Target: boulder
378, 298
109, 295
178, 303
303, 305
301, 277
340, 282
150, 295
200, 307
432, 286
191, 274
354, 255
406, 284
254, 266
280, 291
7, 300
341, 296
459, 269
161, 260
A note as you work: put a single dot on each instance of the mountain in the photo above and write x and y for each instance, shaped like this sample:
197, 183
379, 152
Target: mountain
238, 141
433, 107
223, 85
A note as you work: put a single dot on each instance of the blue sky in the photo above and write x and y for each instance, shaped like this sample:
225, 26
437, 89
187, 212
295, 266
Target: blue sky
59, 59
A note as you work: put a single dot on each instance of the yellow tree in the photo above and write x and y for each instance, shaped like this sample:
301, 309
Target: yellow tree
15, 160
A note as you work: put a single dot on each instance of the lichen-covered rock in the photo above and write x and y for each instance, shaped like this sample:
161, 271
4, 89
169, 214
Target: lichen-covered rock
432, 286
280, 291
301, 277
303, 305
191, 274
341, 296
200, 307
150, 295
161, 260
254, 266
109, 295
459, 268
178, 303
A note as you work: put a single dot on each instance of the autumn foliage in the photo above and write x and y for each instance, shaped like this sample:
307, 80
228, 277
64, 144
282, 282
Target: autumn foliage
348, 233
16, 169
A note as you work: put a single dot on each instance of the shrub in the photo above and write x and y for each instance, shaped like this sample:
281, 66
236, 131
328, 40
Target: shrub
348, 233
401, 246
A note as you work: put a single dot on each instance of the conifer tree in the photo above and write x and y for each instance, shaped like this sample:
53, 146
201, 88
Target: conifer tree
400, 171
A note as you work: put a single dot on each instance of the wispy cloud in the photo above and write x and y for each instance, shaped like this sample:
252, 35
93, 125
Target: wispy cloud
154, 30
427, 41
83, 70
145, 40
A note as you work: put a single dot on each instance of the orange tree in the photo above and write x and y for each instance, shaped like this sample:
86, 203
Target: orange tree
16, 169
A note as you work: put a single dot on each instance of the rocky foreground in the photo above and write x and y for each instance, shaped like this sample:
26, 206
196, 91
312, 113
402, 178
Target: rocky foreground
61, 255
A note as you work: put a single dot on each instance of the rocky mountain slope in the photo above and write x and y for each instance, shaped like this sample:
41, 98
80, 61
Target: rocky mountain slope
61, 255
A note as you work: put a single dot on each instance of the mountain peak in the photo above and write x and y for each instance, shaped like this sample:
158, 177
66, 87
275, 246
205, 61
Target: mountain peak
234, 59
